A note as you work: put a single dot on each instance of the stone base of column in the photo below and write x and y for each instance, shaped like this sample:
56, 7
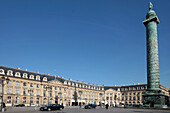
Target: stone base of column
154, 99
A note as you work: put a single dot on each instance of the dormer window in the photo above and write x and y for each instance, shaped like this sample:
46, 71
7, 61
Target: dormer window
65, 82
72, 84
37, 77
31, 76
17, 74
45, 79
69, 83
10, 72
2, 71
25, 75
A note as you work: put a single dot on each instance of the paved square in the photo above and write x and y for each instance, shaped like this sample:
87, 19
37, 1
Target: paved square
78, 110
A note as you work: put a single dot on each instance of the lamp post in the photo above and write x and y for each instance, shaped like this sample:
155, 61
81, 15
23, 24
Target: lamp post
80, 93
41, 89
100, 99
7, 80
75, 96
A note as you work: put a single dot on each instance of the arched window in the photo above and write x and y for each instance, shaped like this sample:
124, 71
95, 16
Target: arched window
17, 100
9, 99
31, 100
10, 72
37, 77
2, 71
17, 74
31, 77
45, 79
45, 101
24, 99
37, 101
25, 75
51, 100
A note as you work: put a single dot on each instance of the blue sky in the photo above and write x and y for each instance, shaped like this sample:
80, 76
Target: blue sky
96, 41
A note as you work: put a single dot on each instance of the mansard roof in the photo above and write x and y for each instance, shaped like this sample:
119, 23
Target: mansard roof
49, 77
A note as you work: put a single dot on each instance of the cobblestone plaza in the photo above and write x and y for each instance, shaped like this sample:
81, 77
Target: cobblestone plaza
78, 110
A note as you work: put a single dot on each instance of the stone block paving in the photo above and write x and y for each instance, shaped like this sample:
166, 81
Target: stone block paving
82, 110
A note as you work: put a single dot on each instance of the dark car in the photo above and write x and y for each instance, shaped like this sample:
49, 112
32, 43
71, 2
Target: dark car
52, 107
89, 106
20, 105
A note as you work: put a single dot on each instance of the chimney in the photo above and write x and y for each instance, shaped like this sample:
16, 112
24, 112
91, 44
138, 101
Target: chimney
57, 76
48, 74
62, 77
37, 72
123, 84
138, 83
69, 79
88, 83
25, 69
134, 84
114, 85
77, 80
18, 67
103, 85
83, 82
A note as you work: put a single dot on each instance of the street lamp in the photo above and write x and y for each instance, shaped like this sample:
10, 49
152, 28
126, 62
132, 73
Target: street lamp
100, 99
80, 92
75, 95
7, 81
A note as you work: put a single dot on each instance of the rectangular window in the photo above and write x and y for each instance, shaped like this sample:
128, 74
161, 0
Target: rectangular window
9, 90
17, 90
44, 93
31, 85
56, 93
24, 84
64, 89
38, 86
50, 93
24, 91
9, 83
55, 88
17, 83
38, 92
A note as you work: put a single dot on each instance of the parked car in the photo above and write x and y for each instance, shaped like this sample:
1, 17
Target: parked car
52, 107
20, 105
89, 106
33, 105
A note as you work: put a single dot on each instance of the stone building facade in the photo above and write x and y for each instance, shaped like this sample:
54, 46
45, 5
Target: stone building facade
31, 88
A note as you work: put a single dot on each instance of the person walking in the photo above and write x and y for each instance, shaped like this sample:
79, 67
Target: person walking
107, 106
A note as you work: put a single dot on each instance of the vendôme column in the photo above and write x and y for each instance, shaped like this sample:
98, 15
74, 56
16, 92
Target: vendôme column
153, 96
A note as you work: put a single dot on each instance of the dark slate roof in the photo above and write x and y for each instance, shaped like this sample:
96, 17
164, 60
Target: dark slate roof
133, 85
111, 87
49, 77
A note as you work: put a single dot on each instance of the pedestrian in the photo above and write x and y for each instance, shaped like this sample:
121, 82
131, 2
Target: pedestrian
107, 106
4, 106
